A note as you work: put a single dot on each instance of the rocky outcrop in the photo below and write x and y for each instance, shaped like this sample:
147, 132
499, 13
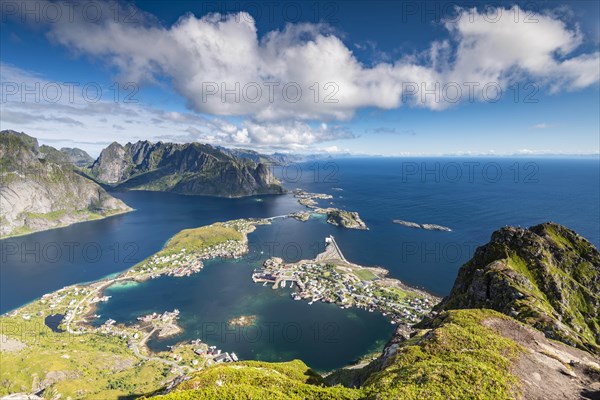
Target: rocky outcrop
77, 156
347, 219
65, 155
546, 276
38, 193
191, 168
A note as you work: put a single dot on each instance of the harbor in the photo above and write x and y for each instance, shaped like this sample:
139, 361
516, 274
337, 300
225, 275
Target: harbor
331, 278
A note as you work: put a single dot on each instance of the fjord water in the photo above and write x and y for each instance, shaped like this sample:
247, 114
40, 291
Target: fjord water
474, 197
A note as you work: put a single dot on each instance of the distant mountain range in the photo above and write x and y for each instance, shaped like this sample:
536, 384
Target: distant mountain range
191, 168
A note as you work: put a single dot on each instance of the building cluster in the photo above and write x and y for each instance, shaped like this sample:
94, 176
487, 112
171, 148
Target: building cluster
316, 281
185, 263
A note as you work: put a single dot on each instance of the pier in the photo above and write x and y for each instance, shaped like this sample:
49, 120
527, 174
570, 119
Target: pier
332, 252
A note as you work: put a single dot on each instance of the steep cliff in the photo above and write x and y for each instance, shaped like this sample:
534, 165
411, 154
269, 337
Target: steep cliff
190, 168
39, 189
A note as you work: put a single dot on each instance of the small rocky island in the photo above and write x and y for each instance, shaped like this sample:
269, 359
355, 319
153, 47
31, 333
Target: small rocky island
428, 227
335, 216
242, 320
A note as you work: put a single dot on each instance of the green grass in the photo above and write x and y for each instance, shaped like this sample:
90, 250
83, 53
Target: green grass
88, 366
259, 380
459, 359
364, 274
50, 216
201, 238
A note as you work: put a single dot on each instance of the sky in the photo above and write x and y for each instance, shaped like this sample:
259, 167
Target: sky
403, 78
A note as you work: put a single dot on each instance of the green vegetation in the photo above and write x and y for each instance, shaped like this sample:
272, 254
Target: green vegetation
51, 216
364, 274
93, 366
548, 276
459, 358
199, 239
259, 380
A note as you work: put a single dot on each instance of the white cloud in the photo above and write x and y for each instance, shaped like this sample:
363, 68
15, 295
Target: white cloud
92, 125
542, 125
225, 49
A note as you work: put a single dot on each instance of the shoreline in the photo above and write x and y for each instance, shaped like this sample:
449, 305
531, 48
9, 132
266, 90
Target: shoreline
330, 278
68, 225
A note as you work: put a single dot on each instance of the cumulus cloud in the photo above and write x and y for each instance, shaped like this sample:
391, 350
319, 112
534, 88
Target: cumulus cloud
90, 125
222, 67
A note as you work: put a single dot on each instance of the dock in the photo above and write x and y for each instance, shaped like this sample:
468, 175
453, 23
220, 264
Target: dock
332, 252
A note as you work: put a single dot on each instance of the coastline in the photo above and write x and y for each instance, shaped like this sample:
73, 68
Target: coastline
330, 278
71, 224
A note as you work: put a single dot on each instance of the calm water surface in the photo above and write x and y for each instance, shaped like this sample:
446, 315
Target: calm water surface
474, 197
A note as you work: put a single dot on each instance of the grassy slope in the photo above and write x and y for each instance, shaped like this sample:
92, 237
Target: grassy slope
198, 239
548, 277
458, 357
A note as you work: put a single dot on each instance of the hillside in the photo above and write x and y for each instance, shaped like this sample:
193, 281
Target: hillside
190, 168
40, 189
546, 276
465, 349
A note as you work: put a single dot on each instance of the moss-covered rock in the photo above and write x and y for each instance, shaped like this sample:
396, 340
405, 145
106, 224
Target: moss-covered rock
546, 276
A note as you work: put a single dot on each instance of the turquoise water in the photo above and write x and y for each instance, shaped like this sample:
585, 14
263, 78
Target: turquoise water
524, 192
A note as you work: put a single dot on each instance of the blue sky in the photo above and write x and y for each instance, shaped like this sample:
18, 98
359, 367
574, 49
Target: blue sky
171, 61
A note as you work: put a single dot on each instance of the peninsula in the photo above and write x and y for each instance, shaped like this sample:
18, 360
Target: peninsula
113, 353
333, 279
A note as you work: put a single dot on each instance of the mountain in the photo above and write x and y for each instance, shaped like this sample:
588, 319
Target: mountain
546, 276
40, 189
491, 338
191, 168
77, 156
66, 155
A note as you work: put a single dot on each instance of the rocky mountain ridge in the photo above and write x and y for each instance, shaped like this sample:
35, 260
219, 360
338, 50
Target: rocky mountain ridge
40, 189
190, 168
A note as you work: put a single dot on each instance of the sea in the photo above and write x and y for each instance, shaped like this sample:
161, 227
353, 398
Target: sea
472, 196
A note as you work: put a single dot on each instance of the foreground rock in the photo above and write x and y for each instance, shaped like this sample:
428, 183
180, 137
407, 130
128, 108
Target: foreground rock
37, 193
546, 276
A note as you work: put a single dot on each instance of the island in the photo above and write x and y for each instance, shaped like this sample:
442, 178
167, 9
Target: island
429, 227
335, 216
242, 320
333, 279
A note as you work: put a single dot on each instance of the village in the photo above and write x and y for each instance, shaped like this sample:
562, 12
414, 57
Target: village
331, 278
